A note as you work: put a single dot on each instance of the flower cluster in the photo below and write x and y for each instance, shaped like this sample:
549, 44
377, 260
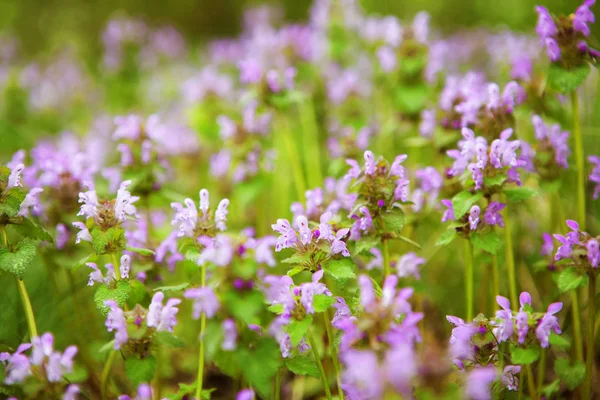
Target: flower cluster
579, 247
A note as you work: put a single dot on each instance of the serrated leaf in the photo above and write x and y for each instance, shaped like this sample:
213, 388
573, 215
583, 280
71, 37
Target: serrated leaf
11, 203
17, 261
567, 80
559, 341
295, 259
295, 271
341, 270
301, 365
523, 356
462, 202
172, 288
489, 241
322, 302
192, 255
139, 250
140, 370
394, 220
521, 193
447, 237
119, 294
570, 279
168, 339
496, 180
260, 365
137, 294
30, 229
111, 240
297, 329
366, 243
571, 375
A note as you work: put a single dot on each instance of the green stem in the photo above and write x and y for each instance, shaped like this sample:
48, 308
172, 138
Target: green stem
495, 278
4, 235
116, 265
510, 258
201, 350
313, 346
541, 370
334, 355
387, 270
277, 385
531, 383
292, 153
28, 309
106, 373
579, 161
312, 156
469, 279
589, 358
521, 384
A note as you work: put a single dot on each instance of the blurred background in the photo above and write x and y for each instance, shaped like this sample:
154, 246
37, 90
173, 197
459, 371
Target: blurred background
43, 26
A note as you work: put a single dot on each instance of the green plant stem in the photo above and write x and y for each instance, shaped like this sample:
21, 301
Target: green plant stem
510, 258
589, 358
292, 152
116, 265
312, 147
521, 384
469, 278
531, 383
386, 258
4, 235
495, 278
201, 350
106, 373
541, 370
313, 346
28, 309
579, 161
334, 355
277, 385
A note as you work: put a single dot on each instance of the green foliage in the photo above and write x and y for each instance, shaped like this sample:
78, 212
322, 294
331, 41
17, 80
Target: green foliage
120, 293
173, 288
447, 237
322, 302
559, 341
366, 243
168, 339
260, 364
567, 80
520, 193
570, 279
341, 270
524, 356
489, 241
462, 202
140, 370
244, 306
144, 252
301, 365
137, 294
17, 259
11, 202
571, 374
497, 180
296, 259
394, 220
297, 329
187, 391
30, 229
109, 241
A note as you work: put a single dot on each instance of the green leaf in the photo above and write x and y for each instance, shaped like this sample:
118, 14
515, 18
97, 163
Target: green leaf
496, 180
489, 241
341, 270
17, 261
559, 341
407, 240
138, 293
447, 237
322, 302
30, 229
140, 370
551, 388
11, 203
245, 306
366, 243
107, 347
188, 391
90, 258
394, 220
571, 375
524, 356
520, 193
144, 252
168, 339
411, 99
276, 308
295, 271
119, 294
192, 255
297, 329
108, 241
173, 288
296, 259
567, 80
570, 279
462, 202
301, 365
260, 365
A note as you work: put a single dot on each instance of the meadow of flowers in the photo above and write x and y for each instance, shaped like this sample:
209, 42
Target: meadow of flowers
351, 207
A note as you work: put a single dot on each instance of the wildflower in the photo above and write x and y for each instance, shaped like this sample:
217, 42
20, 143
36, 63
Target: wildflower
522, 317
492, 214
18, 366
245, 394
479, 383
509, 377
548, 324
409, 264
160, 317
504, 329
205, 301
31, 201
474, 217
115, 321
229, 335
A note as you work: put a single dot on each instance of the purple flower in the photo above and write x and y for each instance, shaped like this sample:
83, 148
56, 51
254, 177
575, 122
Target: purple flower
369, 163
62, 236
409, 264
504, 327
548, 244
362, 378
428, 123
474, 217
492, 214
522, 317
545, 24
160, 317
583, 16
377, 261
31, 201
552, 49
595, 175
338, 246
245, 394
449, 212
396, 169
400, 367
229, 335
17, 365
401, 190
205, 301
593, 252
14, 179
71, 392
460, 340
309, 290
509, 377
479, 383
115, 321
548, 324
